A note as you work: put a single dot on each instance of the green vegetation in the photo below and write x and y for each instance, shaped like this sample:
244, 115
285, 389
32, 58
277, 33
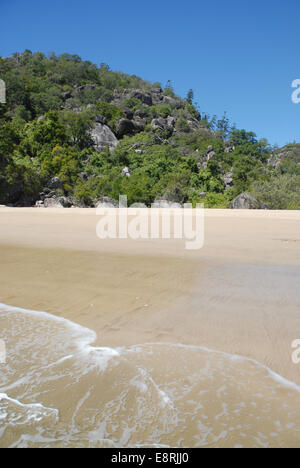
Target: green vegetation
281, 192
46, 131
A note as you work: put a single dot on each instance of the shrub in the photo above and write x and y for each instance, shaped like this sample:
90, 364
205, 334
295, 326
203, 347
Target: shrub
281, 192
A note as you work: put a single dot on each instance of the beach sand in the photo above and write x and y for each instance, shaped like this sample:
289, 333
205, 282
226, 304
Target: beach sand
239, 294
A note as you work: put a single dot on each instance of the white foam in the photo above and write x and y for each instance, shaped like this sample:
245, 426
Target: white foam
150, 387
87, 337
34, 411
84, 337
233, 357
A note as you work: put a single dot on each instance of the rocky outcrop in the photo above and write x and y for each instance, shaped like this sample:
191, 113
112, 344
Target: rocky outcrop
130, 127
140, 94
148, 98
58, 202
175, 103
140, 114
47, 193
157, 95
103, 137
125, 127
203, 160
229, 148
246, 201
228, 180
289, 153
167, 124
193, 124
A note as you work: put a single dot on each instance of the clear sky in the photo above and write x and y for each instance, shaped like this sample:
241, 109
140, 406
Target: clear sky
239, 56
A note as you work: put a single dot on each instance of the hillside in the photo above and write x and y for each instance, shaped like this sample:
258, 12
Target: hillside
72, 133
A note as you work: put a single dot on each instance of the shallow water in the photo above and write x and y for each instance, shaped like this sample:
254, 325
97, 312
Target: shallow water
57, 390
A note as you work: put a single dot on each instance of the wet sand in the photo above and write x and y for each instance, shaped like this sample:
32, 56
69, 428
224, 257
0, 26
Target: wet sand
238, 295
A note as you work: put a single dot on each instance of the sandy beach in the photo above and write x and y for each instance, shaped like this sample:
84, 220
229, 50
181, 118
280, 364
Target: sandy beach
238, 295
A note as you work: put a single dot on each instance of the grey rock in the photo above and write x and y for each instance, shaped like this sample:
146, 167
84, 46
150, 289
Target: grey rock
246, 201
141, 95
193, 124
126, 172
173, 102
106, 202
139, 125
138, 205
140, 113
275, 160
87, 87
47, 193
84, 176
55, 183
128, 113
163, 124
100, 119
66, 95
228, 147
157, 95
125, 127
171, 121
130, 127
210, 155
228, 179
202, 165
103, 137
162, 203
58, 202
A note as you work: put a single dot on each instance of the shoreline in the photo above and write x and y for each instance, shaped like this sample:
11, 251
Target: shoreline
236, 295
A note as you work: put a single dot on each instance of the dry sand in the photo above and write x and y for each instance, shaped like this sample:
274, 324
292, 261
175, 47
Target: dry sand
239, 294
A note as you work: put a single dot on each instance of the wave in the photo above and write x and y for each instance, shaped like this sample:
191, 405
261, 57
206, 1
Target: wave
59, 390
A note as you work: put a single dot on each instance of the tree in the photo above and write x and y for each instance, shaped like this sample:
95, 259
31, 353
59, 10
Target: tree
223, 126
190, 97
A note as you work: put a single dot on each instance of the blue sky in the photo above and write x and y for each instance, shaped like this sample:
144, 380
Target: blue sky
238, 56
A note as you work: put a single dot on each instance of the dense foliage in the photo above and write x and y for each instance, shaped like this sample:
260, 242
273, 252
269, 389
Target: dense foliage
173, 151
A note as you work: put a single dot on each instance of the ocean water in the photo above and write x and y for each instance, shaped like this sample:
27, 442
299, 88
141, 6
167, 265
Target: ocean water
57, 390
